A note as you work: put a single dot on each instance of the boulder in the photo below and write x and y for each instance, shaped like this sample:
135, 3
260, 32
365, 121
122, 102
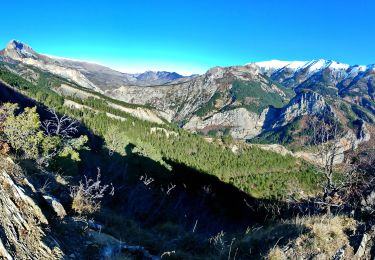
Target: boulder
57, 207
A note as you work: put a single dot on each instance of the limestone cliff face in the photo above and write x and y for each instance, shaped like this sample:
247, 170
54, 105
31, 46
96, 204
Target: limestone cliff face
244, 124
241, 123
310, 103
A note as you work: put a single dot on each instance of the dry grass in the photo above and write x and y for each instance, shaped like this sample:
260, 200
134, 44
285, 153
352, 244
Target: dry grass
276, 253
325, 236
82, 204
4, 148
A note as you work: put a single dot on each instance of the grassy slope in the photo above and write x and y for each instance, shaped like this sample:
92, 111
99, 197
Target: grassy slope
260, 173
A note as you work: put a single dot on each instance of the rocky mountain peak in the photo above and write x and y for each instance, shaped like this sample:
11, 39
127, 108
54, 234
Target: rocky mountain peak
18, 50
158, 75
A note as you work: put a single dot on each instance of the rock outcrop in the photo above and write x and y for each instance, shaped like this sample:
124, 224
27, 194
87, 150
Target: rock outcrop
242, 124
22, 223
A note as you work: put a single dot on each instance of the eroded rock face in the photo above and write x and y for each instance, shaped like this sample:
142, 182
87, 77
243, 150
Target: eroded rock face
242, 123
57, 207
309, 103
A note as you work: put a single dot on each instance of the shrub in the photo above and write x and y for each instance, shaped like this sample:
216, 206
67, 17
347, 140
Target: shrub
88, 194
23, 132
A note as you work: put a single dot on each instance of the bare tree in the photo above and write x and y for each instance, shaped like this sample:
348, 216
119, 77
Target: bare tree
63, 126
326, 140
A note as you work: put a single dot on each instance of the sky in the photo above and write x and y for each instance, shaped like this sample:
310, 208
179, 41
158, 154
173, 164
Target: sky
192, 36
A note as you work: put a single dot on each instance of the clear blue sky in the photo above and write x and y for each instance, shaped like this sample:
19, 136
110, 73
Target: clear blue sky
194, 35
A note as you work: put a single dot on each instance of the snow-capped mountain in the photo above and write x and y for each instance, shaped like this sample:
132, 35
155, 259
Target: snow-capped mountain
311, 66
323, 76
275, 67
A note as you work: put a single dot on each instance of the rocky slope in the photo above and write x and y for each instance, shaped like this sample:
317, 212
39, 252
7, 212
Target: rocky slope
22, 220
35, 225
243, 124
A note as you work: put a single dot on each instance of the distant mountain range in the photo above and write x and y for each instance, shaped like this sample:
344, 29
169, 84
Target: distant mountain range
88, 75
263, 102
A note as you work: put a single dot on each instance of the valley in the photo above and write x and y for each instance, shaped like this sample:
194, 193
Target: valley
194, 160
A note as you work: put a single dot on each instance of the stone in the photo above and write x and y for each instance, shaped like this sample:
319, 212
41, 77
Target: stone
57, 207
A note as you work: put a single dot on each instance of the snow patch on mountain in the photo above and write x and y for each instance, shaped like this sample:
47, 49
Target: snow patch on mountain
272, 64
312, 66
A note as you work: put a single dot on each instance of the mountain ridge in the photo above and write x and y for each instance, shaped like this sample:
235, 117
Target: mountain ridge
244, 102
298, 64
90, 75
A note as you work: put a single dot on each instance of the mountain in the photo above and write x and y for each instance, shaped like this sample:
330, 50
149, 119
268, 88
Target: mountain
158, 77
266, 102
325, 77
89, 75
209, 93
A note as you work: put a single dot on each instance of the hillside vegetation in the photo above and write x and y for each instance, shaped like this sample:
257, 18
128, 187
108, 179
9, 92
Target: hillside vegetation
260, 173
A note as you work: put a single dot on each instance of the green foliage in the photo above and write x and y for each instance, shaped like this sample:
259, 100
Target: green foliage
23, 132
283, 135
116, 140
251, 95
209, 106
40, 91
148, 150
71, 147
49, 144
361, 114
318, 87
